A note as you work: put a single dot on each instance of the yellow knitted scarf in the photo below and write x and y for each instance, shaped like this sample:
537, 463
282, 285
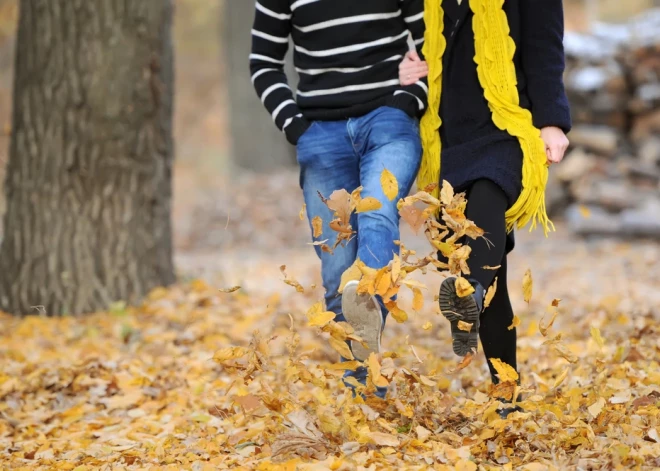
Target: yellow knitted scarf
497, 75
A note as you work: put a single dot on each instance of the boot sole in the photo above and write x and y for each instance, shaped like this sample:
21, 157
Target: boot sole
363, 313
457, 309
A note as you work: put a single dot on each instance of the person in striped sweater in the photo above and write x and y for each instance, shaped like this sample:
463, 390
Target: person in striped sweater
350, 119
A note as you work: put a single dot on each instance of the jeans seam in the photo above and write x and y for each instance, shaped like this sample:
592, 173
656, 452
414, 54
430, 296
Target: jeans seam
350, 136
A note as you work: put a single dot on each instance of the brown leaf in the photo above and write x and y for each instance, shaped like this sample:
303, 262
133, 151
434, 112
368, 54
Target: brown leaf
229, 290
467, 359
248, 402
317, 225
413, 216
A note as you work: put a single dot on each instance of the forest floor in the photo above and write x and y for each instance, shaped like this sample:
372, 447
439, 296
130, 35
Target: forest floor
197, 378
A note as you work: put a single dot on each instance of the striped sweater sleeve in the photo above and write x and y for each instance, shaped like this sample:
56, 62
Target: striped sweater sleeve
270, 42
414, 98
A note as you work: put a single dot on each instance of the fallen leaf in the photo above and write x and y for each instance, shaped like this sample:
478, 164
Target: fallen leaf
317, 225
422, 433
248, 402
383, 439
229, 353
596, 408
515, 323
463, 287
374, 369
528, 285
389, 184
653, 435
341, 347
595, 334
560, 379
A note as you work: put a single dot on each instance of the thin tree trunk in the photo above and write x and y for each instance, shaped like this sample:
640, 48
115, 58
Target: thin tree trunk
89, 176
255, 141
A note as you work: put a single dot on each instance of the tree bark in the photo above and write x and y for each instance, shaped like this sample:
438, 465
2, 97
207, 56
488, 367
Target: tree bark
89, 175
256, 144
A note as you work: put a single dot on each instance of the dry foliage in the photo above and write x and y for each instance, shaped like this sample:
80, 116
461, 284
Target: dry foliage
205, 377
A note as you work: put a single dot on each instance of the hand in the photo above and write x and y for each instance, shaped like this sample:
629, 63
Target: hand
556, 144
412, 68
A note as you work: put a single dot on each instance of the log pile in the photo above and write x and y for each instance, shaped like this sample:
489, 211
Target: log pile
610, 181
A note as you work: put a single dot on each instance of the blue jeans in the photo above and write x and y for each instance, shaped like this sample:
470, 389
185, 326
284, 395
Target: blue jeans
348, 154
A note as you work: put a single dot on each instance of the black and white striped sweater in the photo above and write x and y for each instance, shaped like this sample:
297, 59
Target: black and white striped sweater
346, 52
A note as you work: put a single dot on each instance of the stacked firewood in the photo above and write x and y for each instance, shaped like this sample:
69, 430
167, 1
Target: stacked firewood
610, 180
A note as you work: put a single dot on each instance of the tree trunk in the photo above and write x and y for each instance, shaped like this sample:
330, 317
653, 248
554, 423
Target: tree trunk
256, 143
89, 176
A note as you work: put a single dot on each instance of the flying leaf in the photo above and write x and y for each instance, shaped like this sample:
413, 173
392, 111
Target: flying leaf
368, 204
555, 302
463, 287
229, 353
544, 328
317, 317
396, 268
352, 273
565, 353
427, 326
229, 290
389, 184
398, 314
467, 359
418, 299
490, 293
414, 217
465, 326
302, 212
560, 379
488, 267
317, 225
515, 323
505, 372
595, 334
374, 369
446, 193
341, 347
295, 284
528, 285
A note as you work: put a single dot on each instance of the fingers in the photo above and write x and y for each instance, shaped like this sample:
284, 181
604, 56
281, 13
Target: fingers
413, 56
411, 72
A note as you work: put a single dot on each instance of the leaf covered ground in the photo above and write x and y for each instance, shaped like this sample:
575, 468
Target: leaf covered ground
205, 375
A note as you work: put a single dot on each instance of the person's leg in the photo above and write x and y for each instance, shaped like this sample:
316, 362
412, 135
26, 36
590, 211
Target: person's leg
388, 139
496, 338
486, 207
328, 163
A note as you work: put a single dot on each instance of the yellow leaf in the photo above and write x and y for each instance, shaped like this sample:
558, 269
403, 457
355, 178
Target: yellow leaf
505, 372
427, 326
295, 284
374, 370
418, 299
444, 248
353, 273
465, 465
317, 317
396, 268
317, 225
383, 281
383, 439
585, 212
467, 359
560, 379
565, 353
463, 287
229, 290
595, 334
398, 314
345, 365
368, 204
229, 353
465, 326
515, 323
446, 193
528, 285
341, 347
544, 328
488, 267
490, 293
596, 408
302, 212
389, 184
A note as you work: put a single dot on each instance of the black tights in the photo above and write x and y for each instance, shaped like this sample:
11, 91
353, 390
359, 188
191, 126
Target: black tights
486, 206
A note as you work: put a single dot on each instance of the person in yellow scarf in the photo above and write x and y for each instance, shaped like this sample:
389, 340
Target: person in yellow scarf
497, 118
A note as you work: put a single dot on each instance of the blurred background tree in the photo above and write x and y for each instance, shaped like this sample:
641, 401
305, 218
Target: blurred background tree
90, 164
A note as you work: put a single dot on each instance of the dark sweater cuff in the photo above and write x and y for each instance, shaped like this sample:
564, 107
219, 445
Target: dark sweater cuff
296, 129
559, 117
407, 103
